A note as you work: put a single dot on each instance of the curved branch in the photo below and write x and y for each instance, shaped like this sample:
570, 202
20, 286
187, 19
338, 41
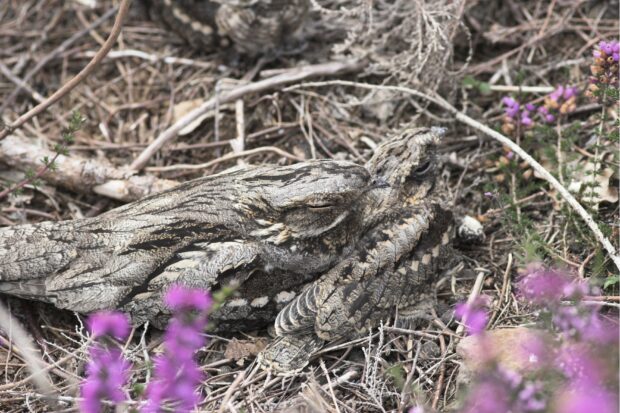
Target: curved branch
67, 87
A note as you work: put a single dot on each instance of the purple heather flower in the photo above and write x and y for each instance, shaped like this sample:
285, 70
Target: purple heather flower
516, 112
525, 119
543, 287
586, 399
601, 331
107, 373
563, 93
489, 194
509, 101
512, 107
177, 375
569, 92
544, 112
473, 315
606, 47
109, 323
580, 365
179, 298
557, 94
604, 68
562, 100
587, 375
501, 390
488, 396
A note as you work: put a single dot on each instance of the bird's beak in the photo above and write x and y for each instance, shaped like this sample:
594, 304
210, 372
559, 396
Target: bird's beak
379, 183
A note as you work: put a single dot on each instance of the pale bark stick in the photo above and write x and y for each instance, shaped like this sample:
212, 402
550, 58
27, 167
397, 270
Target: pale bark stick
79, 174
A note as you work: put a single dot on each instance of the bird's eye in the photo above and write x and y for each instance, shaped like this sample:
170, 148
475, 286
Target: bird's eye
422, 169
320, 207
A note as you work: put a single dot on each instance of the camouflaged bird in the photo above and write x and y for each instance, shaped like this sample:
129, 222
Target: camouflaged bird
392, 268
253, 26
355, 241
282, 225
267, 230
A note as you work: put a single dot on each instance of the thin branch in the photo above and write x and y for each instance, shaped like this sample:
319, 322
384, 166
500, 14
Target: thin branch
29, 179
81, 175
461, 117
291, 76
224, 158
55, 53
67, 87
153, 58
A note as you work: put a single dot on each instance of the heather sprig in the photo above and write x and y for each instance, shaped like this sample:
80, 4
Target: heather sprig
562, 101
577, 351
177, 374
502, 390
473, 315
559, 295
107, 370
604, 68
516, 115
67, 137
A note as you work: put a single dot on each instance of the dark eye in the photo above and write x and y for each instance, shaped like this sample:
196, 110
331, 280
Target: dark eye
422, 169
320, 207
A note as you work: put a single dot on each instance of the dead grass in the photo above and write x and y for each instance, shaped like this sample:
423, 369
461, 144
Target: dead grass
151, 74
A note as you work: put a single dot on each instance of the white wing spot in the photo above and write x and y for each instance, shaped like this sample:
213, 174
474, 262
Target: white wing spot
237, 302
260, 301
426, 259
445, 238
284, 296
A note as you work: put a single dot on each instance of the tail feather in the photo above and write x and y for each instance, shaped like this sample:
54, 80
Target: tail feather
30, 289
33, 251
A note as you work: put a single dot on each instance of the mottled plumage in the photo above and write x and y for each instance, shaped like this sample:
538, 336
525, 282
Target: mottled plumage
205, 233
393, 266
334, 247
253, 26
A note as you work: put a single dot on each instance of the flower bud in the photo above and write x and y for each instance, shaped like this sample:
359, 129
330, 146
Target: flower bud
596, 70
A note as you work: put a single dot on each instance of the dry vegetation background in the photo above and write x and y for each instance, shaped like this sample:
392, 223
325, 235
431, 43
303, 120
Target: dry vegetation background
471, 53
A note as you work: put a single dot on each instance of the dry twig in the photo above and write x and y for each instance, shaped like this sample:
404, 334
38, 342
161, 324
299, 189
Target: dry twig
17, 334
79, 174
67, 87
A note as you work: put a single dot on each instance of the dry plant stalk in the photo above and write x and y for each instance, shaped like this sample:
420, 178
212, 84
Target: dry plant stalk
22, 340
79, 174
409, 41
